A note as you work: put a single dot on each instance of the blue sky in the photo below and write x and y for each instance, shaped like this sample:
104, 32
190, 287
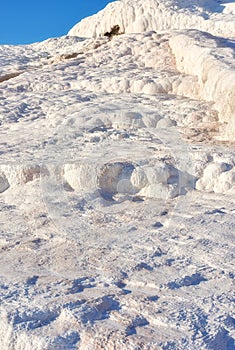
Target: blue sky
27, 21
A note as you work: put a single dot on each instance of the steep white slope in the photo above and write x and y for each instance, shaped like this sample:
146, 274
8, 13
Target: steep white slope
116, 193
212, 60
135, 16
188, 63
229, 7
15, 60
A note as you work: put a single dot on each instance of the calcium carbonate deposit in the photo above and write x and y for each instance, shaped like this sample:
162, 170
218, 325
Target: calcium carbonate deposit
117, 182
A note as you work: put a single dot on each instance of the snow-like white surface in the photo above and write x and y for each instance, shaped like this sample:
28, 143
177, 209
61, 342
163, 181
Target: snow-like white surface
117, 182
134, 16
229, 7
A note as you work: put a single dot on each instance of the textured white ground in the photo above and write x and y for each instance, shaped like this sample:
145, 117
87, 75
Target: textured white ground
117, 182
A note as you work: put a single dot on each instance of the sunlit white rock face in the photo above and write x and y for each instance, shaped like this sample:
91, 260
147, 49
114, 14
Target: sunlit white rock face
196, 54
212, 61
117, 182
160, 15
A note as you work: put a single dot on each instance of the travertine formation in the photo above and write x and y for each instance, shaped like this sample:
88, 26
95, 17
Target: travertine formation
117, 182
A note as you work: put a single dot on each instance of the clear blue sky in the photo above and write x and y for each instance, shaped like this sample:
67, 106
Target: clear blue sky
27, 21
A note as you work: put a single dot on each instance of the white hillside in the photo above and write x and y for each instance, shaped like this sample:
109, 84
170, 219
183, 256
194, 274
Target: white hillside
134, 16
196, 54
117, 182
